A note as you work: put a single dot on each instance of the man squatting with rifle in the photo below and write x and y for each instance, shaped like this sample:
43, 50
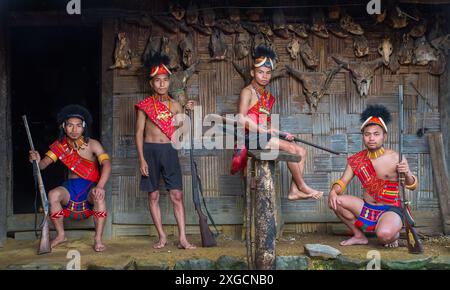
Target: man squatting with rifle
377, 168
84, 186
254, 114
156, 153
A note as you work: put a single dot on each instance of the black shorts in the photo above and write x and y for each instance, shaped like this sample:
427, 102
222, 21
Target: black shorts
257, 141
162, 159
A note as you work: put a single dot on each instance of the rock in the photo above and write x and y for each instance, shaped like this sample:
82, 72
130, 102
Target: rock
413, 264
144, 265
346, 263
128, 265
321, 251
230, 263
195, 264
37, 266
440, 263
292, 263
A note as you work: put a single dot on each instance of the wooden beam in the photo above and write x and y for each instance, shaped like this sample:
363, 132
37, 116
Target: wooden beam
444, 108
5, 168
108, 36
441, 178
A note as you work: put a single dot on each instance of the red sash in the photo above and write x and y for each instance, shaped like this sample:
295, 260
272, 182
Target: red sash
82, 167
381, 190
165, 125
239, 160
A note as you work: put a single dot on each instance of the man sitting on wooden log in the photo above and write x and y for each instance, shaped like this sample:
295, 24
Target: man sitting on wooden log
156, 153
377, 168
85, 185
254, 115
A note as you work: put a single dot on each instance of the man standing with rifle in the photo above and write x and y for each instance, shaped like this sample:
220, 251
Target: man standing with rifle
82, 194
378, 169
157, 155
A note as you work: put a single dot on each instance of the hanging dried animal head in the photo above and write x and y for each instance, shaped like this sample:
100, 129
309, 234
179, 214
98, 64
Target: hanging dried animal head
379, 18
397, 19
225, 26
334, 13
437, 67
337, 30
192, 14
309, 57
406, 52
423, 53
243, 45
441, 43
234, 15
254, 14
177, 10
419, 29
207, 17
122, 52
279, 24
187, 51
315, 84
265, 29
360, 46
152, 47
299, 29
385, 49
348, 24
293, 48
178, 83
217, 47
362, 73
318, 26
170, 49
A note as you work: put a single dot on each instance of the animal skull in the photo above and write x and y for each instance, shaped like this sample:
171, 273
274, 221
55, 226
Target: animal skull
361, 46
362, 73
294, 48
385, 50
309, 57
242, 48
349, 25
187, 51
315, 84
423, 52
406, 52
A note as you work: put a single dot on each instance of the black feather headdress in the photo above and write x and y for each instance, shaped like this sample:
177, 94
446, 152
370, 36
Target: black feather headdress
264, 56
74, 111
376, 114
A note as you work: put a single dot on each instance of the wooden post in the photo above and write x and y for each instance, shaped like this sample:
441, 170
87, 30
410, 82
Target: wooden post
441, 178
107, 29
266, 208
5, 165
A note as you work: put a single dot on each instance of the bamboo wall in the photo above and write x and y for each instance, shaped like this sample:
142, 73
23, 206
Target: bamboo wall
335, 124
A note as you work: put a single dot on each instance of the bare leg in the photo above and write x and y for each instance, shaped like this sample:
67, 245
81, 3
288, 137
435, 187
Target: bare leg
349, 208
57, 198
176, 196
99, 205
388, 229
296, 169
155, 211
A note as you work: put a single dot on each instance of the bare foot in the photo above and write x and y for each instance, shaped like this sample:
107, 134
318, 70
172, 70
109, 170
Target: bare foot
392, 245
161, 243
312, 192
296, 194
355, 241
57, 241
99, 246
186, 245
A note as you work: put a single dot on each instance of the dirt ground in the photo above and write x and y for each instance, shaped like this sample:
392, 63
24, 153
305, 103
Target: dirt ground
119, 251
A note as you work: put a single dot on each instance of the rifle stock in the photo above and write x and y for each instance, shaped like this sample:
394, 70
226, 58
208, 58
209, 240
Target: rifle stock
413, 241
44, 241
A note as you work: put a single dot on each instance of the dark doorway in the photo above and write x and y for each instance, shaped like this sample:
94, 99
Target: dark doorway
50, 67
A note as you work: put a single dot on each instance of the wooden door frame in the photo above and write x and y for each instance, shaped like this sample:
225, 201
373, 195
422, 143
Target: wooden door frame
18, 222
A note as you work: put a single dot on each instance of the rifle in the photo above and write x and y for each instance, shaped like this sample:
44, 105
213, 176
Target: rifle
208, 239
414, 243
280, 135
44, 242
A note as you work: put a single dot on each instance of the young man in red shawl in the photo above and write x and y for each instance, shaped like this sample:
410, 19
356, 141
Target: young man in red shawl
157, 155
82, 194
377, 168
255, 105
